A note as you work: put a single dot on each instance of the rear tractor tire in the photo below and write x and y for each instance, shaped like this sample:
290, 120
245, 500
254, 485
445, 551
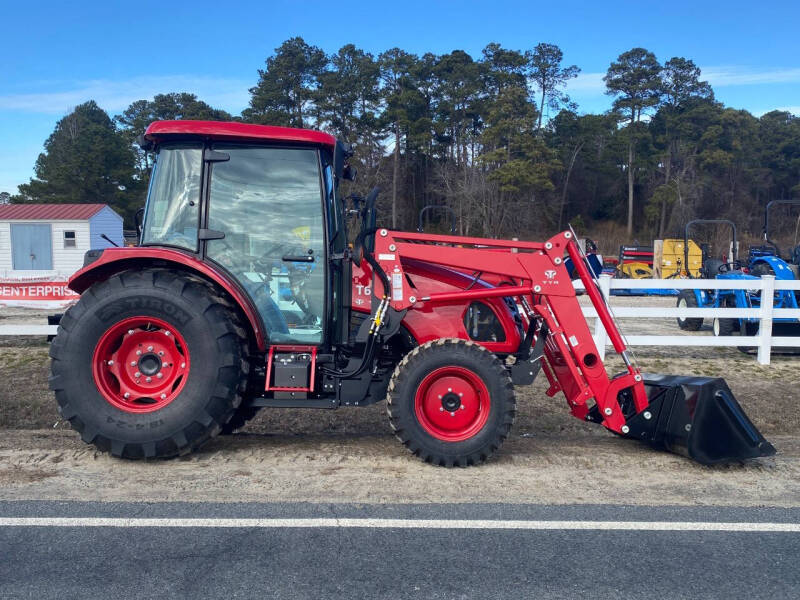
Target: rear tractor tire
687, 299
149, 364
451, 402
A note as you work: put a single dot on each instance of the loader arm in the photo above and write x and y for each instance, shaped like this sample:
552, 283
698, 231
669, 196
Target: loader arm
694, 416
537, 274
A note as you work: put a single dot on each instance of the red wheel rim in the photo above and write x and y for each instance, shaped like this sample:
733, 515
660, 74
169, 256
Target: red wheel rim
452, 404
140, 364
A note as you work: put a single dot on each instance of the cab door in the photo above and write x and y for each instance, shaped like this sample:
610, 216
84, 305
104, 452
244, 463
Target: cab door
265, 226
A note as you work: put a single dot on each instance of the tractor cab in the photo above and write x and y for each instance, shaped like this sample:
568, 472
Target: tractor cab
264, 212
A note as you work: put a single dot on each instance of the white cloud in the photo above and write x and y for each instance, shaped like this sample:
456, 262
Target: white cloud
732, 75
592, 84
587, 82
115, 96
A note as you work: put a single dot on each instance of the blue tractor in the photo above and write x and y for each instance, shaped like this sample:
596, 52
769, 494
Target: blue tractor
767, 259
762, 260
725, 267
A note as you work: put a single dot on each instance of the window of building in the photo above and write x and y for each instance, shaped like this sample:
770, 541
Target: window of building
69, 239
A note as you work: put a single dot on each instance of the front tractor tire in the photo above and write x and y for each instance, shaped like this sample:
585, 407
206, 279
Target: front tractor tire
687, 299
149, 364
725, 327
451, 402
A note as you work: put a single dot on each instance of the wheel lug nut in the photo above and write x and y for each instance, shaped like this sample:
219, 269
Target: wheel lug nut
126, 395
183, 365
159, 375
110, 363
440, 396
441, 409
163, 396
133, 363
452, 414
138, 353
149, 348
149, 379
460, 394
449, 389
463, 407
161, 353
137, 374
167, 333
130, 331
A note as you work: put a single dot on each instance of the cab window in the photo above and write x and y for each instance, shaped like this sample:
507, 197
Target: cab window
172, 213
268, 204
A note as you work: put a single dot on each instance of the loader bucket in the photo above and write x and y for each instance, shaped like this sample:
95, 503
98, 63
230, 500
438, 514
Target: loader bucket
697, 417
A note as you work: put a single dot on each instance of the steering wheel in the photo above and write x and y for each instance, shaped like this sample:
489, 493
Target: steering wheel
368, 220
298, 274
727, 267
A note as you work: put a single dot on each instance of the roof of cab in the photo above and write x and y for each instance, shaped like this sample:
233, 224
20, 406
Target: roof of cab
221, 130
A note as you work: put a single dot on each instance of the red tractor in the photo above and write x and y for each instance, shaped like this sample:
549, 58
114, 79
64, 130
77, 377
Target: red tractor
244, 293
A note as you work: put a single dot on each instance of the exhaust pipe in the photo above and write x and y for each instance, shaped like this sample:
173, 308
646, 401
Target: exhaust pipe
697, 417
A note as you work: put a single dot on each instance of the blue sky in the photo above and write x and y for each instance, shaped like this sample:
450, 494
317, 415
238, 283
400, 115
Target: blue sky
59, 54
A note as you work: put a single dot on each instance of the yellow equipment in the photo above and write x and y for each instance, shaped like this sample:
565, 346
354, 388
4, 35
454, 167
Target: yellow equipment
673, 258
635, 270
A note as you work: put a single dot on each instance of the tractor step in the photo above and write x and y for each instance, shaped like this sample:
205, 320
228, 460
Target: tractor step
299, 401
697, 417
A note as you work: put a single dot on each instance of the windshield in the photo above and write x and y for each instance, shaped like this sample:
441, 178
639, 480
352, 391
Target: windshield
172, 213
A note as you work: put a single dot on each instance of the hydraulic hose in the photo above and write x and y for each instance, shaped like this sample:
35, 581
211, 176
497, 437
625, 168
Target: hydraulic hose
371, 345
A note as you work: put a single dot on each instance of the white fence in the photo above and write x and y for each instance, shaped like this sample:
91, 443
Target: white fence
43, 330
764, 340
766, 313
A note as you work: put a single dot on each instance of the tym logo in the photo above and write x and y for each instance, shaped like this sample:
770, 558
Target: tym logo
550, 273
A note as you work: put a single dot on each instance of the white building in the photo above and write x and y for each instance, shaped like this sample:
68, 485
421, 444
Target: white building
49, 240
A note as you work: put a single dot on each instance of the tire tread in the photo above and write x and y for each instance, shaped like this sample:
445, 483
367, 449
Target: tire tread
232, 371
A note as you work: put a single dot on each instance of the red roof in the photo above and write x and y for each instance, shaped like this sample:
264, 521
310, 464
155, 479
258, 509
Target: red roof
236, 131
49, 212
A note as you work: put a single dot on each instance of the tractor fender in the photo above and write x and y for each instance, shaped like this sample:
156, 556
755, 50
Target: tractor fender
779, 267
99, 265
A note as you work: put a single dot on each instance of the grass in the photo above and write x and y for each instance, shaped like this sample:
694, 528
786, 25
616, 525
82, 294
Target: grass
25, 400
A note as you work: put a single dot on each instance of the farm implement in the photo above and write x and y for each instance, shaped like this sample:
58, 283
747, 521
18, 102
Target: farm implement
243, 293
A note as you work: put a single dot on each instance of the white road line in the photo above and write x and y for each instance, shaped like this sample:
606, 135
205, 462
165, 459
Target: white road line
401, 524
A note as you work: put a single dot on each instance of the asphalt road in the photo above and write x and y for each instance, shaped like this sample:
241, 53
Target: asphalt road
369, 551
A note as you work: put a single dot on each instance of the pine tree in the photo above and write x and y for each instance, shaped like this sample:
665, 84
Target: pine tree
86, 160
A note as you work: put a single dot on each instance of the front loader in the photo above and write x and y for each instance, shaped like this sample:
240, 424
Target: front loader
244, 293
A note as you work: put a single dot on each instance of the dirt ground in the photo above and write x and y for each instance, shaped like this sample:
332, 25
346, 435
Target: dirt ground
350, 454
